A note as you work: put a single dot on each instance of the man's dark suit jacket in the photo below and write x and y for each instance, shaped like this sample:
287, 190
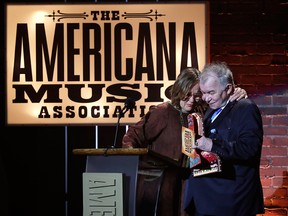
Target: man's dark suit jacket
237, 135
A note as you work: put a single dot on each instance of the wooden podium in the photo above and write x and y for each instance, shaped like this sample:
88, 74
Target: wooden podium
116, 160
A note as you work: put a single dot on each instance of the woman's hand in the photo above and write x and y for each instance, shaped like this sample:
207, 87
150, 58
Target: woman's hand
238, 94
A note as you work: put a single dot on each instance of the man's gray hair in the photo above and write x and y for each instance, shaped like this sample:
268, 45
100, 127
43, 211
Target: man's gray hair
219, 70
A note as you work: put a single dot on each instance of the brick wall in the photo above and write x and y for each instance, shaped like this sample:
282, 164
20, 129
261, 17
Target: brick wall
252, 36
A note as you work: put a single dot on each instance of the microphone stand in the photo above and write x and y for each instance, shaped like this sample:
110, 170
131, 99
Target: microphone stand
129, 104
121, 113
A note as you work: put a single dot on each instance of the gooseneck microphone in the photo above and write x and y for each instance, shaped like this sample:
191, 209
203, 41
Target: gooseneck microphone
128, 105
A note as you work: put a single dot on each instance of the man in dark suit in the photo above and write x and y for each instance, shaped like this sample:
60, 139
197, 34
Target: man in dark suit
235, 134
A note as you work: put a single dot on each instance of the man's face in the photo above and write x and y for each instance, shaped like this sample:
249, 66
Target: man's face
214, 93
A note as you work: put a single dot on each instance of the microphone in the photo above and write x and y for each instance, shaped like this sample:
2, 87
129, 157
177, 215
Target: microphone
128, 105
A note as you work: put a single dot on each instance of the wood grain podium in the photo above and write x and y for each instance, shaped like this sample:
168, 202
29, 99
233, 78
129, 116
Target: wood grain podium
117, 160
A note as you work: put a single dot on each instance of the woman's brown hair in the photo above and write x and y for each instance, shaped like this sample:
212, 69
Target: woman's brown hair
185, 81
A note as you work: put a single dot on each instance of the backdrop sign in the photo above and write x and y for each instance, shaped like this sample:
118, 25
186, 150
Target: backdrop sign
79, 63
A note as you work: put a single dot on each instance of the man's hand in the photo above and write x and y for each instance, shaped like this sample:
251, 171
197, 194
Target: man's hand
238, 94
204, 144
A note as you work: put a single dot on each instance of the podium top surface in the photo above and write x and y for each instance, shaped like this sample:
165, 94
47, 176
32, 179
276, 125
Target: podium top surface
111, 151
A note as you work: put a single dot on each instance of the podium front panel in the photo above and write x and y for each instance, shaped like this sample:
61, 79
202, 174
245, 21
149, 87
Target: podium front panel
128, 166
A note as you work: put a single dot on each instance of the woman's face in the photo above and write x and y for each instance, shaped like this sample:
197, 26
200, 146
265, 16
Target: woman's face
188, 103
